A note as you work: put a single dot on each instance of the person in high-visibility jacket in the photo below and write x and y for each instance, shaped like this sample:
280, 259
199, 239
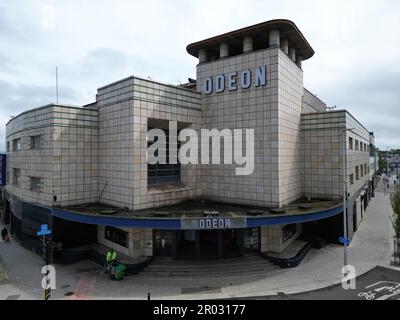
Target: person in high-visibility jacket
111, 256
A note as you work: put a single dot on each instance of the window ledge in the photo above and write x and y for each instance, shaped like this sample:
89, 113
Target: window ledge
168, 188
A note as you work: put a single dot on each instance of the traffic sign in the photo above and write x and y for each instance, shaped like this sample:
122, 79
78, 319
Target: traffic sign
44, 230
344, 240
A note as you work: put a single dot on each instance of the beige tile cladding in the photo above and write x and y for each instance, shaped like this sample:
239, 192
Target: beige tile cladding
311, 103
290, 81
323, 148
124, 110
66, 160
138, 241
274, 112
271, 238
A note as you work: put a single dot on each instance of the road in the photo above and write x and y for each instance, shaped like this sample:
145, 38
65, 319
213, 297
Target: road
378, 284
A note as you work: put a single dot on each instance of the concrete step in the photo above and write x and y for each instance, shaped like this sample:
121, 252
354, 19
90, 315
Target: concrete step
248, 265
209, 262
250, 275
194, 269
214, 265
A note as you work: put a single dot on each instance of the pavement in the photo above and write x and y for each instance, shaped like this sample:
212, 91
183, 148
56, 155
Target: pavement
370, 251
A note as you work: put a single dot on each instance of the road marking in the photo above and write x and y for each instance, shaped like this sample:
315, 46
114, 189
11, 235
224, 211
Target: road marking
382, 290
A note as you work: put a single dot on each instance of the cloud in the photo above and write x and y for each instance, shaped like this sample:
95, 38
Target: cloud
19, 98
102, 61
96, 42
370, 94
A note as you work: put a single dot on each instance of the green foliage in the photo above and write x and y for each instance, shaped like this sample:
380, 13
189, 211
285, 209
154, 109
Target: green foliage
396, 210
382, 164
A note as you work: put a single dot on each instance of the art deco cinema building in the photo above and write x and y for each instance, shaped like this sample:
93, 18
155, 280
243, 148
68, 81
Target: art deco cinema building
83, 170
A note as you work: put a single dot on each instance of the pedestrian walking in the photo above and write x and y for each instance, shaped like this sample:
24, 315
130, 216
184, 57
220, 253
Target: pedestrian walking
4, 235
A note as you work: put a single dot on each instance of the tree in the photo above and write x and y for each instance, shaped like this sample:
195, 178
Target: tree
396, 210
382, 164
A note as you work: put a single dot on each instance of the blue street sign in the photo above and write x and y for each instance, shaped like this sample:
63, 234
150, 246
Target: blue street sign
44, 230
3, 170
344, 240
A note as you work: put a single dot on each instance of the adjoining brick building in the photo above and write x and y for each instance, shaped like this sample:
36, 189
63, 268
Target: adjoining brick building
83, 170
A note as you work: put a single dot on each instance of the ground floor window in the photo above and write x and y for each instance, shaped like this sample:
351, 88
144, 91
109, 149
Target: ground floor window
117, 236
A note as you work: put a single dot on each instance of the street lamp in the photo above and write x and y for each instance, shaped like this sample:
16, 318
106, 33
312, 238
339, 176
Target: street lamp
344, 171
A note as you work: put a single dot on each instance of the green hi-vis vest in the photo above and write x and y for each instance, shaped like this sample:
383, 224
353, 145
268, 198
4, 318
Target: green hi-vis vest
111, 256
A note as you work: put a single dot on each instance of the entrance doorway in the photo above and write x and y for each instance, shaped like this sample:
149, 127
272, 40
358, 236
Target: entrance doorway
206, 244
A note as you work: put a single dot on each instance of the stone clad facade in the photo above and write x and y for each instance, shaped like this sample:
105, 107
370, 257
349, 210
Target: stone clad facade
125, 110
65, 160
62, 156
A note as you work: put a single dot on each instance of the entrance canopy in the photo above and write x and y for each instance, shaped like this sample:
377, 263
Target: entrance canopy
200, 214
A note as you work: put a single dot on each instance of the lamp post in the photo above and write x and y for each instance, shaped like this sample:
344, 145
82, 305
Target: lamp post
344, 172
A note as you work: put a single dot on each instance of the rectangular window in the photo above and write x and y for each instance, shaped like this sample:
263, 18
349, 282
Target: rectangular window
352, 179
16, 144
8, 146
361, 170
357, 148
36, 142
357, 173
16, 177
351, 143
159, 174
365, 168
117, 236
35, 184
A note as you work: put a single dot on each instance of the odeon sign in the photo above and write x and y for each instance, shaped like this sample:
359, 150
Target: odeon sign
233, 80
213, 223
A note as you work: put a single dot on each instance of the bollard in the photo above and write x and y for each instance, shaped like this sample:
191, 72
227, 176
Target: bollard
148, 296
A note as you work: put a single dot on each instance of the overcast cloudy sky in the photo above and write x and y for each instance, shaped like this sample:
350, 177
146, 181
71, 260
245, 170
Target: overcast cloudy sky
95, 42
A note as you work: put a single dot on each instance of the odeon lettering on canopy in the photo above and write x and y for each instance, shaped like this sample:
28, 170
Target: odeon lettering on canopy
214, 223
233, 80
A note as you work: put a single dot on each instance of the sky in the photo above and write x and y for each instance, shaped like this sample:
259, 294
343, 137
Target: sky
95, 42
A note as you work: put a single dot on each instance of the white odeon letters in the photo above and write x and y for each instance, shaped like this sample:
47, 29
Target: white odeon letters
232, 80
214, 223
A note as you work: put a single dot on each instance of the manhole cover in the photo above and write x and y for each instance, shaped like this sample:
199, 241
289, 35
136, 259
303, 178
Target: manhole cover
68, 294
13, 297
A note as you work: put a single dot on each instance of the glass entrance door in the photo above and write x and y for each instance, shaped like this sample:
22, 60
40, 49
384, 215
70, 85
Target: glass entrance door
164, 243
251, 240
